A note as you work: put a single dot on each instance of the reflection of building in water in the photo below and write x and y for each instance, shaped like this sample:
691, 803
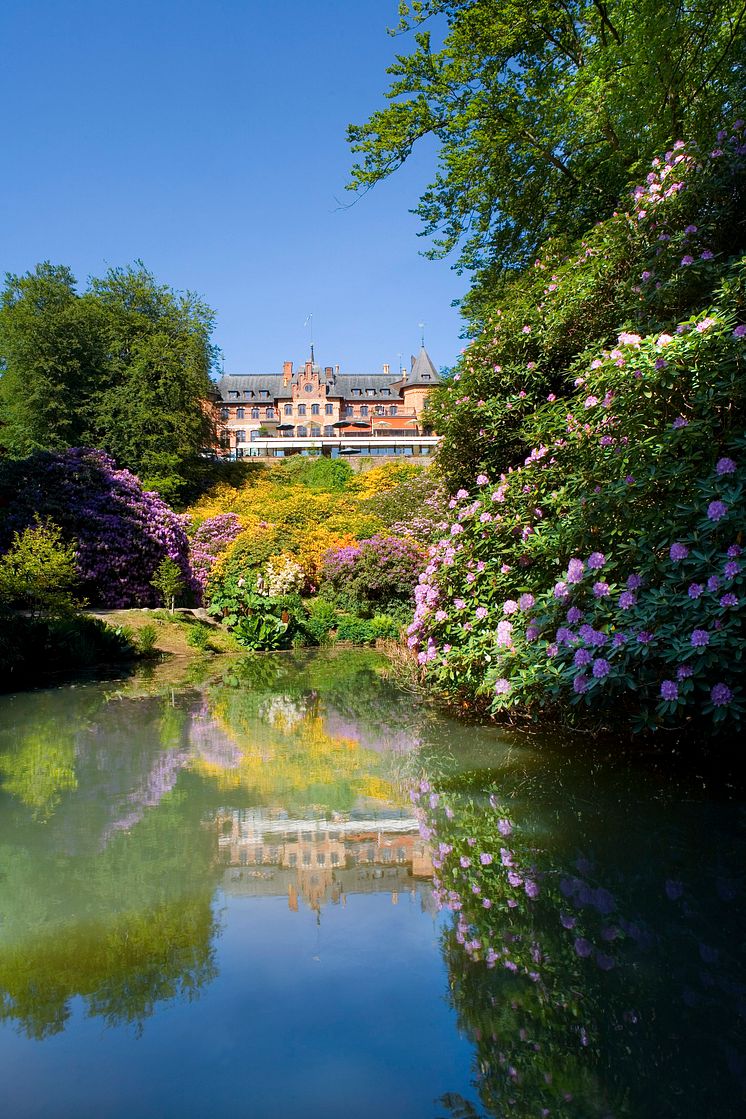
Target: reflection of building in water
268, 854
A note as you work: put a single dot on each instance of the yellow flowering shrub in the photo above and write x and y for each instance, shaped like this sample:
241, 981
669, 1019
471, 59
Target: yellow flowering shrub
285, 508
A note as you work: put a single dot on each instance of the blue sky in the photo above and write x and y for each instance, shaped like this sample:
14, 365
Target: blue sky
207, 137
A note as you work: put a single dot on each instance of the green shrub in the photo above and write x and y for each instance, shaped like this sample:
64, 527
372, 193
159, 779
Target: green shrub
38, 572
198, 637
383, 626
322, 619
146, 639
353, 629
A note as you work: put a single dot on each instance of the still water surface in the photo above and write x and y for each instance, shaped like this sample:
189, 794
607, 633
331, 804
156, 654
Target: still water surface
283, 888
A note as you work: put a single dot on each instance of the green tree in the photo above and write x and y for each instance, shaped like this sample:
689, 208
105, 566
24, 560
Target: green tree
152, 417
52, 361
123, 367
542, 109
169, 582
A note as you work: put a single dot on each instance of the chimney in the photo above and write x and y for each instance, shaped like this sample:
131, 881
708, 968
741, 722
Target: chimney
328, 370
386, 368
287, 372
336, 369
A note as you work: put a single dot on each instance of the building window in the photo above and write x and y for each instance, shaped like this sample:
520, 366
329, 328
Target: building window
240, 412
234, 395
301, 409
348, 409
425, 376
288, 409
308, 388
263, 394
241, 436
314, 409
370, 392
301, 432
363, 409
225, 413
315, 431
357, 392
393, 410
270, 413
328, 431
380, 410
247, 394
329, 409
254, 413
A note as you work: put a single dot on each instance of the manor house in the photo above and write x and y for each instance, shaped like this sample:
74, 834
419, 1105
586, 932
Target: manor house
321, 408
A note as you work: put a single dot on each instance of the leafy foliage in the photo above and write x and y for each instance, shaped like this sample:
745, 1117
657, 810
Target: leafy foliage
661, 256
604, 573
124, 367
542, 112
119, 532
38, 571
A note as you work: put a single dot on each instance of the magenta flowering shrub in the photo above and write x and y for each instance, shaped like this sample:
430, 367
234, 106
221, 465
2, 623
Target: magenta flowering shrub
121, 533
661, 256
379, 572
209, 540
604, 575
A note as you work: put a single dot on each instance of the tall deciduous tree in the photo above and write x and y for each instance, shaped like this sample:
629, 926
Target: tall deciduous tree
123, 367
542, 110
152, 417
52, 361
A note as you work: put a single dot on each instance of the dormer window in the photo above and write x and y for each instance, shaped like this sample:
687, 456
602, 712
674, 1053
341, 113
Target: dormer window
263, 394
370, 392
247, 394
425, 376
234, 395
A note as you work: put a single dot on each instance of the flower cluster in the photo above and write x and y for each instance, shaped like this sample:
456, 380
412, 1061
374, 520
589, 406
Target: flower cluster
121, 533
662, 604
209, 540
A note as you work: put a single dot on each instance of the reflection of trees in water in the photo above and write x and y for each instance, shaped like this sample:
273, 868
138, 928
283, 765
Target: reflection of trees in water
596, 984
124, 928
110, 899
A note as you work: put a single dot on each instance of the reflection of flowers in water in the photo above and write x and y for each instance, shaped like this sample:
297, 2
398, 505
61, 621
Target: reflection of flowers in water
210, 743
283, 711
571, 1001
160, 780
382, 740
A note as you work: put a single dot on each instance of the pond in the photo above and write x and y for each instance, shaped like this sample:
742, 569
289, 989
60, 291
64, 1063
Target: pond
284, 887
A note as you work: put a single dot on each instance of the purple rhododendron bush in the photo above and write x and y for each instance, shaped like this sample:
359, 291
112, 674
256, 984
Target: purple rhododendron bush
601, 573
209, 540
121, 532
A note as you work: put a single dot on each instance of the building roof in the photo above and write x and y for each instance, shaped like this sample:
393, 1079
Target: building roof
349, 386
253, 383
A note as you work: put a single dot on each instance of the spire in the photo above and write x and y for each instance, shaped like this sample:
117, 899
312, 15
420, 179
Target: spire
423, 370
